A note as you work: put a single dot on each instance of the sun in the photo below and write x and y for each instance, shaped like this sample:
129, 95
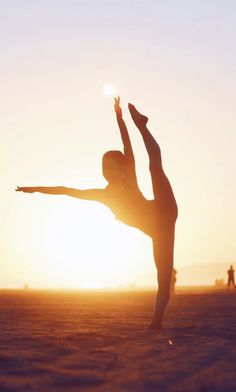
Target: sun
79, 245
109, 90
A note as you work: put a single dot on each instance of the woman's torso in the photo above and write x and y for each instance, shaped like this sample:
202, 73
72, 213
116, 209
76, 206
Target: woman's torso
132, 208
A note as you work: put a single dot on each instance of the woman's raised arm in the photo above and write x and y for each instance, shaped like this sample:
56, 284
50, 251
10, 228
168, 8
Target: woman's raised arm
128, 150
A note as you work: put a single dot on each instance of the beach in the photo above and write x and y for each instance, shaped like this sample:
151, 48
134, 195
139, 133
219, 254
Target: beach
96, 341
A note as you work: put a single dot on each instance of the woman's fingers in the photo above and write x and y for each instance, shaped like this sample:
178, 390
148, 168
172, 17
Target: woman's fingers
117, 101
24, 189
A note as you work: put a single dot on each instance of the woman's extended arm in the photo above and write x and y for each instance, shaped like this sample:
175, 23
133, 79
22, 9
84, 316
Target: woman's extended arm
128, 150
86, 194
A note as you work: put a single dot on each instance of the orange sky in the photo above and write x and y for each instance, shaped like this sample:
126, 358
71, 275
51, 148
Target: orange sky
177, 64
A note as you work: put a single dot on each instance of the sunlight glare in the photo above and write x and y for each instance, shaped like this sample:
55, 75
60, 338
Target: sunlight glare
80, 245
109, 90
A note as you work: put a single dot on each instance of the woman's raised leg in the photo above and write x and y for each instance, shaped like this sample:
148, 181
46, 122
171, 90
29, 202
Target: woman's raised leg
162, 189
163, 241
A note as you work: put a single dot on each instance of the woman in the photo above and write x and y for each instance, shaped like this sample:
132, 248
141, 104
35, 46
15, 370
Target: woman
155, 218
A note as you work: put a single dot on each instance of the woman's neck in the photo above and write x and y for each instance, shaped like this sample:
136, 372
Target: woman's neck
116, 186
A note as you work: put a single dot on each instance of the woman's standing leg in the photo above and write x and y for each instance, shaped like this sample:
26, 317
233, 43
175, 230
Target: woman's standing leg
163, 249
163, 242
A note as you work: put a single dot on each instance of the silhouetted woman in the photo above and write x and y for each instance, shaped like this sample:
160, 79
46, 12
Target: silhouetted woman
156, 217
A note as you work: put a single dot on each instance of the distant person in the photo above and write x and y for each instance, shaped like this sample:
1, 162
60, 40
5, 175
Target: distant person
122, 196
220, 283
231, 277
173, 280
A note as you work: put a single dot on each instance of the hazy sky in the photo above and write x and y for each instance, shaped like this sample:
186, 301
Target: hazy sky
176, 60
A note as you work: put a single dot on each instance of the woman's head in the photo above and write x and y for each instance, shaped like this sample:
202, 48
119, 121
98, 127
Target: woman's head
113, 165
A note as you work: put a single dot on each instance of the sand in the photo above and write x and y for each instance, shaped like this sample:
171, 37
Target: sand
88, 341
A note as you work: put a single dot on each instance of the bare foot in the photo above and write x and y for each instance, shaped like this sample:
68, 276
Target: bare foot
153, 326
139, 119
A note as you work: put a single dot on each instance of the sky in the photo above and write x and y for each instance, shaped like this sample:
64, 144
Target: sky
176, 62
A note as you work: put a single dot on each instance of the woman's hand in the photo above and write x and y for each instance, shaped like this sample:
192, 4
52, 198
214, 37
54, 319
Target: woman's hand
117, 107
26, 189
